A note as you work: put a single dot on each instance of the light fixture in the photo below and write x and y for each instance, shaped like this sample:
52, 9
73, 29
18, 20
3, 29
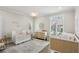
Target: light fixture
60, 8
33, 14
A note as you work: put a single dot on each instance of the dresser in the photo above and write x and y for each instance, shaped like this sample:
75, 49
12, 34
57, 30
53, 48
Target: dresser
41, 35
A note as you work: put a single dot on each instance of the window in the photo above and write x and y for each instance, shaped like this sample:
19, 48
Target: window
56, 24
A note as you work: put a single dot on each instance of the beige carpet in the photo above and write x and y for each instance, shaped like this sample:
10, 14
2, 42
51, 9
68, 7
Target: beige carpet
33, 46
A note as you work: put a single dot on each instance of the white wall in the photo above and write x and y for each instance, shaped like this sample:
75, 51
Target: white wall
12, 21
43, 20
0, 26
77, 21
69, 21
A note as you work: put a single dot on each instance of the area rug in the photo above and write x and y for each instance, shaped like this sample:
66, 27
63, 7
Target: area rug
32, 46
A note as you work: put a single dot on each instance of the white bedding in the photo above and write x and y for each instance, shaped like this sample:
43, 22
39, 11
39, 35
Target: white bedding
65, 36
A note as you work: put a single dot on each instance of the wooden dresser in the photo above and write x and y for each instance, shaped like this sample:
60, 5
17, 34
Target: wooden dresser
40, 35
64, 46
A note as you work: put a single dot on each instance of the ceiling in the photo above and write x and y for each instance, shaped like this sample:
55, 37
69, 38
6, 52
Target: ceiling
40, 10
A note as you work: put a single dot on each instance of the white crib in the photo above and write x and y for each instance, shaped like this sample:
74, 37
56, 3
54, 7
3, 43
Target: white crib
19, 37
